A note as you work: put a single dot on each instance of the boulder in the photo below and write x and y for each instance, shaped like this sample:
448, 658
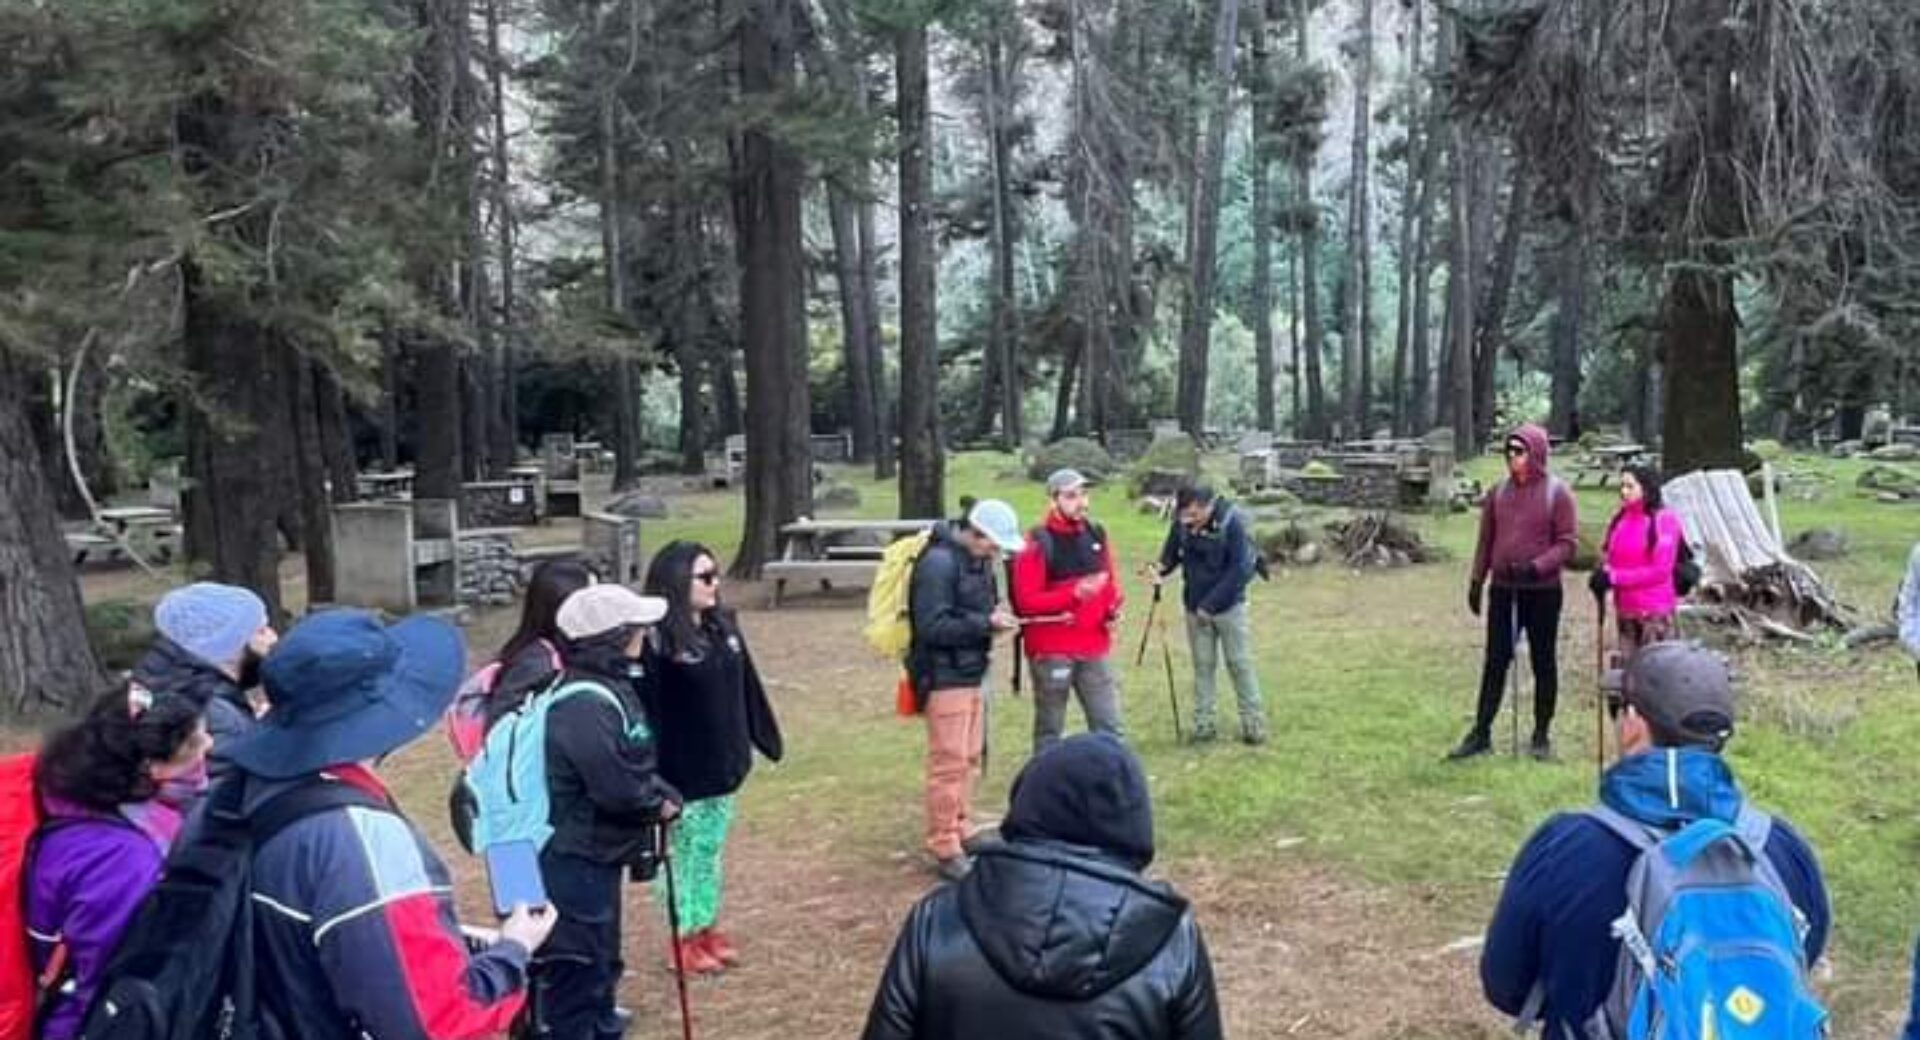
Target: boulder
1902, 452
1888, 479
1768, 450
1821, 543
1077, 453
639, 504
1845, 449
1271, 497
1307, 555
1169, 463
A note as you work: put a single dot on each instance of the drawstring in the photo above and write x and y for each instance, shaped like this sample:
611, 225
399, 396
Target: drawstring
1673, 778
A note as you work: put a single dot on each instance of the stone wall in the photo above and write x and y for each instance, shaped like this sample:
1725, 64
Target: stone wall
1365, 487
500, 503
489, 571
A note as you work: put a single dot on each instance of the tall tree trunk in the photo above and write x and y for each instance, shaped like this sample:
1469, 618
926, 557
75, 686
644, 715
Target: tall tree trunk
857, 355
1308, 216
1422, 397
1356, 340
1063, 394
1702, 428
46, 664
309, 465
613, 230
922, 466
1491, 319
1413, 228
779, 453
1005, 300
1296, 376
393, 381
504, 441
436, 373
1262, 302
439, 448
1196, 327
1565, 332
336, 435
476, 404
886, 426
1460, 279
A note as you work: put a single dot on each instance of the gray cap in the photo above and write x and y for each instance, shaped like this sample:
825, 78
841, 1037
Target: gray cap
997, 521
1682, 689
1065, 480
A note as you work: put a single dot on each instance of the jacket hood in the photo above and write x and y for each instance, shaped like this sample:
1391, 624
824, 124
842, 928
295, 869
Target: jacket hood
167, 668
1672, 787
1088, 791
1056, 921
1539, 446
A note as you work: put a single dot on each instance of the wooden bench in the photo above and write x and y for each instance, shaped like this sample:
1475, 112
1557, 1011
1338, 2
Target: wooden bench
855, 552
83, 544
542, 553
813, 551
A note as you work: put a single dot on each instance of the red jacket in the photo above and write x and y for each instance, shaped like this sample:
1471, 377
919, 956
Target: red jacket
1086, 634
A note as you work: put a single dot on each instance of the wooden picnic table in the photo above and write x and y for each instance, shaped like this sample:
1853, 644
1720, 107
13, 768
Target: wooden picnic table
124, 518
149, 529
809, 552
1605, 464
398, 484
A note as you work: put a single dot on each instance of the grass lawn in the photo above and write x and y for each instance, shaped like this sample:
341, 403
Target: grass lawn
1343, 851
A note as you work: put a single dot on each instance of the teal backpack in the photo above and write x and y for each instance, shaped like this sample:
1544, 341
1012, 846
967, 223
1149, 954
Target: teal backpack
507, 780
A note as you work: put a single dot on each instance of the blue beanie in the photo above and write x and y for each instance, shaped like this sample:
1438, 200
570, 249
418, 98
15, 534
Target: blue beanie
211, 622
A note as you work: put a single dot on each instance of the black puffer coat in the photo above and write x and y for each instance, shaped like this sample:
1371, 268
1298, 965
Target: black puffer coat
1045, 941
952, 596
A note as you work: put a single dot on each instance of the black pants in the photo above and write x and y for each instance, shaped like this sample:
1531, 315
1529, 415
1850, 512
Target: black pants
576, 973
1538, 612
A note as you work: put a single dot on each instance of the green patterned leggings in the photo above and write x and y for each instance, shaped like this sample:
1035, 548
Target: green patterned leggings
699, 871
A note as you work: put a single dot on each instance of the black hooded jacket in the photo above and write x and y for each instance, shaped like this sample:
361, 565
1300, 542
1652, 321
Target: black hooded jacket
166, 668
1044, 941
951, 603
603, 782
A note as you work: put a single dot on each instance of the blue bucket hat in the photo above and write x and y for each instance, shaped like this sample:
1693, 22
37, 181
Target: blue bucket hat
344, 688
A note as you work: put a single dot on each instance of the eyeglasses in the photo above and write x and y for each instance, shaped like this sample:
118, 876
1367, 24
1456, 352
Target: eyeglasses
707, 577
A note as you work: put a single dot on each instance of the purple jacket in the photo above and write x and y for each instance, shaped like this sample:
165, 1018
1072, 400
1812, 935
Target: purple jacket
89, 876
1531, 522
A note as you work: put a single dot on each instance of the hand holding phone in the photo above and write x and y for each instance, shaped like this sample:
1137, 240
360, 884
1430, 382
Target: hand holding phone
528, 927
513, 871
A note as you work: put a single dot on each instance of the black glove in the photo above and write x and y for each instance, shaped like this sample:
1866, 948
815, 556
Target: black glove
1600, 582
1473, 598
1523, 573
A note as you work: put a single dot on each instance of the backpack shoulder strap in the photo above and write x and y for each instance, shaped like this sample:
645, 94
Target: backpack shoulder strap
565, 688
1639, 835
290, 807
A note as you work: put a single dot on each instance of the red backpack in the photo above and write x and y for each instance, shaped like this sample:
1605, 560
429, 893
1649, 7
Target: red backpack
19, 818
466, 718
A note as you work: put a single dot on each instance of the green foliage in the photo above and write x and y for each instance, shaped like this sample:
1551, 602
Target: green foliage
1077, 453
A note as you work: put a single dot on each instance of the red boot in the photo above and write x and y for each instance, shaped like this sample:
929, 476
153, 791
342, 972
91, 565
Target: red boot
720, 946
694, 958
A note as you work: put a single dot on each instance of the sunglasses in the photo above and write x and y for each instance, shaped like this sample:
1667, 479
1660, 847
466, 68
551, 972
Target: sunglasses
1514, 451
707, 577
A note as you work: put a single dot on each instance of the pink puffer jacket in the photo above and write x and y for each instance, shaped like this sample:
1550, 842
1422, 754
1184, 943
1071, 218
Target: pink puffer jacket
1642, 579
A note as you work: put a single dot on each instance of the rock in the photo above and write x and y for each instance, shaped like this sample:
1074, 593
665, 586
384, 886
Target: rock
1821, 543
1307, 555
1902, 452
837, 496
1890, 498
639, 504
1272, 497
1768, 450
1845, 449
1888, 479
1171, 461
1077, 453
1317, 470
1158, 483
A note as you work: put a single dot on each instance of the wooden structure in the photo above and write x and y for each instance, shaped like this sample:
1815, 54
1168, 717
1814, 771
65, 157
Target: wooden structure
374, 486
843, 553
562, 466
1747, 576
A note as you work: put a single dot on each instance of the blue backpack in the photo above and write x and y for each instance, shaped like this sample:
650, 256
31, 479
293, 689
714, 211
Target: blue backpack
1711, 945
507, 780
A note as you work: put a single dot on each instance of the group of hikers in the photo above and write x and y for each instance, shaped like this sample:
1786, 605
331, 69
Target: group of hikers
225, 805
230, 736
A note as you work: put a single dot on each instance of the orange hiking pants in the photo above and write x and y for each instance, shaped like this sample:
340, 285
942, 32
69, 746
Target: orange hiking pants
955, 737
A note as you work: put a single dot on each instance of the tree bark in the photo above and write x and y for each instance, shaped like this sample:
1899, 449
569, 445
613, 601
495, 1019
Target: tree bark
856, 354
922, 465
1422, 393
778, 413
626, 420
1413, 202
1491, 319
504, 442
1460, 298
393, 380
1196, 328
1064, 393
336, 436
46, 664
309, 466
1308, 216
1565, 332
1356, 340
438, 450
1005, 301
1262, 302
1701, 428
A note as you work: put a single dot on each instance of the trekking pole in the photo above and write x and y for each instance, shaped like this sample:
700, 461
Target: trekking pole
1153, 610
1166, 658
1599, 692
673, 926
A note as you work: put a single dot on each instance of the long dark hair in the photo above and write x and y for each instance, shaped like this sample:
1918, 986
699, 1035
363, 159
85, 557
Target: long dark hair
553, 581
101, 760
1649, 480
670, 577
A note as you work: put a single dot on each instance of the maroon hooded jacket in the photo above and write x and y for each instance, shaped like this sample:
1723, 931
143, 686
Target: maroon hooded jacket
1531, 521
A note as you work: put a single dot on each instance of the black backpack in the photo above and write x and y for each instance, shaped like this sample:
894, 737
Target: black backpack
185, 967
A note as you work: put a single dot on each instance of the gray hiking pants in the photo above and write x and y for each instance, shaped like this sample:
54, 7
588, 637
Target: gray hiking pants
1211, 638
1054, 678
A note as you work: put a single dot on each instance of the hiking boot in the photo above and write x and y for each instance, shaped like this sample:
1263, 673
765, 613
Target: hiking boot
1541, 748
1253, 737
1203, 735
954, 868
1474, 746
722, 947
693, 957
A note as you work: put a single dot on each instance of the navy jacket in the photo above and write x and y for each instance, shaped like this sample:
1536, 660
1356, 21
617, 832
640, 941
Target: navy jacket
951, 603
1569, 884
1218, 560
1912, 1031
166, 668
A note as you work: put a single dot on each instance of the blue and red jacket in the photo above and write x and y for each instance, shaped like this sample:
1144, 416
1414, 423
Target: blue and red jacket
357, 935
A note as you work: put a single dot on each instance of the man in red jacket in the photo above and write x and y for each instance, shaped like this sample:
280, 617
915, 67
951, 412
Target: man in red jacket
1067, 592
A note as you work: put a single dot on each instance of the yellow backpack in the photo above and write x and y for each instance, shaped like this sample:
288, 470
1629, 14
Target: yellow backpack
889, 626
